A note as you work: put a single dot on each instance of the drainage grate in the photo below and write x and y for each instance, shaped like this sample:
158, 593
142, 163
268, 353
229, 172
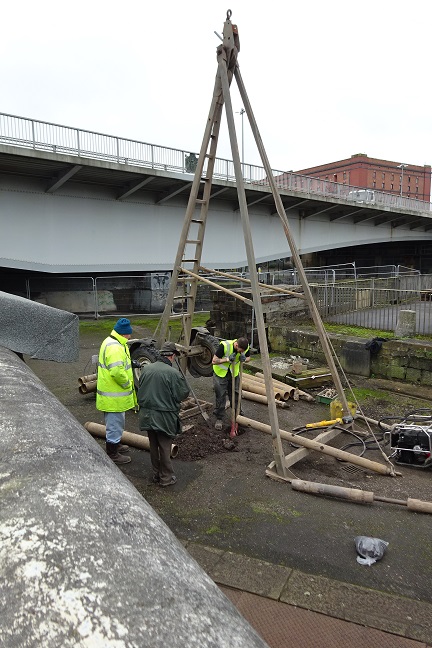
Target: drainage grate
352, 468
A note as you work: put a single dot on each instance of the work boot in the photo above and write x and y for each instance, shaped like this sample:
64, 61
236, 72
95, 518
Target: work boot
113, 453
123, 448
171, 482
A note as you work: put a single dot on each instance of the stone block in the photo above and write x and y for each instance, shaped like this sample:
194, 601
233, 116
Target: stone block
355, 358
406, 324
379, 368
396, 372
413, 375
426, 378
423, 364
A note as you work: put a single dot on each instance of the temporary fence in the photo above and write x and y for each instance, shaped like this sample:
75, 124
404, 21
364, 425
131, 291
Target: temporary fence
370, 302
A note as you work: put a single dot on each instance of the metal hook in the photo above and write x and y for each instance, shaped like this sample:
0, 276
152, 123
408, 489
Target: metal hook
229, 14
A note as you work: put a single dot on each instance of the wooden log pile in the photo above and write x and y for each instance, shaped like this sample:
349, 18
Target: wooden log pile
255, 384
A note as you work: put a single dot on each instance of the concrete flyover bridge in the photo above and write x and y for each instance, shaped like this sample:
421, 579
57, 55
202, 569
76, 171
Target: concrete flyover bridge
74, 201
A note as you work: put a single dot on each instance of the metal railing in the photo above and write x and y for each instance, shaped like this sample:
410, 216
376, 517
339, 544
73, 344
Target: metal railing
376, 302
55, 138
372, 302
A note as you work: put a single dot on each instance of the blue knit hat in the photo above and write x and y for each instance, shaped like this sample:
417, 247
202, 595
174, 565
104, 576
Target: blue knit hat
123, 326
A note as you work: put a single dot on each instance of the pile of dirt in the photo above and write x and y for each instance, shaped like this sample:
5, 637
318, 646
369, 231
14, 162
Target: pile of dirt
199, 440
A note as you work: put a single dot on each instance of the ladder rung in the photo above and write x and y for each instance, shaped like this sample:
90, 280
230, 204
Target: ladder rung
193, 241
176, 317
190, 260
199, 201
182, 297
196, 220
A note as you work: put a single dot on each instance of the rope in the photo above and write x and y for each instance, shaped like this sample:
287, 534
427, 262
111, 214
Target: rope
371, 433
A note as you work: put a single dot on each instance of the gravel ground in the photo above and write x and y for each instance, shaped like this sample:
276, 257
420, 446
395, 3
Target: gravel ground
224, 499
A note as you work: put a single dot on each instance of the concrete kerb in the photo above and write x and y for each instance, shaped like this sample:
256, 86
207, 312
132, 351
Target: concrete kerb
390, 613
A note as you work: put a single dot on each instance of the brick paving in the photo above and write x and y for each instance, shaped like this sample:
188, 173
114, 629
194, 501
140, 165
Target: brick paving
282, 625
289, 608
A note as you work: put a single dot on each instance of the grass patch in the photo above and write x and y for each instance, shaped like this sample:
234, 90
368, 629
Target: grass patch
357, 331
150, 323
363, 395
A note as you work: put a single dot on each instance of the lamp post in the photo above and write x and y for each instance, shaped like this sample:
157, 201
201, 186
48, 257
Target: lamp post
402, 167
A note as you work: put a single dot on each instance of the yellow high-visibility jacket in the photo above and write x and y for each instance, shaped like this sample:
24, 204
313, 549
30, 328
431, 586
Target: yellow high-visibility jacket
115, 391
221, 370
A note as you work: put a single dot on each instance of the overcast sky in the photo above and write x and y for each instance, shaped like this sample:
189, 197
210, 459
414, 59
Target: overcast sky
325, 79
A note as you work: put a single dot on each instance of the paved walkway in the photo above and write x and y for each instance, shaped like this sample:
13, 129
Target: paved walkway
289, 608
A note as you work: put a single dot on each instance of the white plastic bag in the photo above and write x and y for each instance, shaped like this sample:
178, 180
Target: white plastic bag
370, 549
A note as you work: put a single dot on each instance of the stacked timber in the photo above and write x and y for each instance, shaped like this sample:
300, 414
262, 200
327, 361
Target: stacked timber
255, 384
87, 384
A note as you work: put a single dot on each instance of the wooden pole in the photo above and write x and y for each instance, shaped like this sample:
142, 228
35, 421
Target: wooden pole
89, 378
320, 447
223, 52
215, 285
291, 242
252, 386
283, 291
301, 394
136, 440
260, 398
213, 123
358, 495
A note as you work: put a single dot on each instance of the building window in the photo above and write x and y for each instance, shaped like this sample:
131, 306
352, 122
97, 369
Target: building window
416, 189
374, 174
392, 176
409, 188
409, 178
374, 185
383, 176
383, 185
392, 186
416, 180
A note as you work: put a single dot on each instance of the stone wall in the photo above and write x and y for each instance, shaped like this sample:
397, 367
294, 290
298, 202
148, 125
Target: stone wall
232, 318
406, 360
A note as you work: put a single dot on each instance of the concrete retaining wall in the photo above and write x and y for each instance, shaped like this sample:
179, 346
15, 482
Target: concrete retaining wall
84, 559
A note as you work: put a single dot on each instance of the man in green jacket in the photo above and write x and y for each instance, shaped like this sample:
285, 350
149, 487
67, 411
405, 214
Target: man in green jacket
115, 391
160, 392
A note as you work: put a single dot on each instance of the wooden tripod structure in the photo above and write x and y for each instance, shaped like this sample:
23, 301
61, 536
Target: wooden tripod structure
187, 264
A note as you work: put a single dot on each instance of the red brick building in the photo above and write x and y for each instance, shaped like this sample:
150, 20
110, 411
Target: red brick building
390, 177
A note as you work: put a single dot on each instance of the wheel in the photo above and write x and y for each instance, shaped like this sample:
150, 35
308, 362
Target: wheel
201, 365
144, 355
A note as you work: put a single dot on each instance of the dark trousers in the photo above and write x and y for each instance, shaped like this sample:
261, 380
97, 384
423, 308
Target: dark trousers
223, 388
160, 455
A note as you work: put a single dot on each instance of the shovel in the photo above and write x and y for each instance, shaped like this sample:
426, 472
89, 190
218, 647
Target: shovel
202, 412
235, 410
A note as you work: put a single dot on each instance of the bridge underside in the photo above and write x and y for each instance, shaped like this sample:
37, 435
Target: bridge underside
65, 214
